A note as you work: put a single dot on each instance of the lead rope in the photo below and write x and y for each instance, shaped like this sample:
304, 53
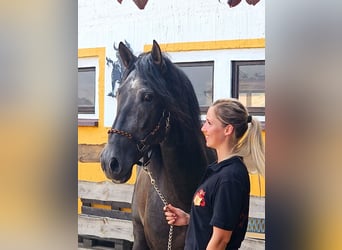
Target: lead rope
153, 182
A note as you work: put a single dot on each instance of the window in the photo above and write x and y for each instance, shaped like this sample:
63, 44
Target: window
248, 85
201, 75
86, 90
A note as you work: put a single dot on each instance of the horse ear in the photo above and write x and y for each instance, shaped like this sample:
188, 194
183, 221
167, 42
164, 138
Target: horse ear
126, 55
156, 54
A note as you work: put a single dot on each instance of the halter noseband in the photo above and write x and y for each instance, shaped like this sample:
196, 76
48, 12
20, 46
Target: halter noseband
141, 144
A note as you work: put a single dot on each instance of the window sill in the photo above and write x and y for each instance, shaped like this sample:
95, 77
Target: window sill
88, 122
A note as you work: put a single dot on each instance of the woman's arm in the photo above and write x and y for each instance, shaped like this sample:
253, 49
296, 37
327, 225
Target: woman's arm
176, 216
219, 239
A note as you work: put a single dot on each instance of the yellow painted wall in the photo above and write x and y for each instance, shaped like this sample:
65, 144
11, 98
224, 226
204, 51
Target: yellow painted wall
98, 135
95, 135
210, 45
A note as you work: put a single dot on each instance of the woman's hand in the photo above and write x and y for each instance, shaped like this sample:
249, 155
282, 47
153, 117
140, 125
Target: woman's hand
176, 216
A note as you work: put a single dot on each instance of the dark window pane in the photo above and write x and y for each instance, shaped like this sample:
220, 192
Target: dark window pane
201, 75
252, 85
249, 85
86, 90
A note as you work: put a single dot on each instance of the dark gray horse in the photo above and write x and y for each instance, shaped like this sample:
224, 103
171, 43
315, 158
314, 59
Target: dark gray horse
158, 121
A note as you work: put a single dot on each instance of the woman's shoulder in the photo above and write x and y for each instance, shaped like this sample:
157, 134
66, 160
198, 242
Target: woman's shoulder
234, 163
235, 169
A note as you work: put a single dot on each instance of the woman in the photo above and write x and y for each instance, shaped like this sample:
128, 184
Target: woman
219, 212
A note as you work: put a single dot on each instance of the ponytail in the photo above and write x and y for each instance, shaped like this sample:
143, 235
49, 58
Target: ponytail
247, 140
251, 147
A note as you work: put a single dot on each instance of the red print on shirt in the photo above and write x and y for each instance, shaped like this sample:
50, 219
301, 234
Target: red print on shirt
199, 198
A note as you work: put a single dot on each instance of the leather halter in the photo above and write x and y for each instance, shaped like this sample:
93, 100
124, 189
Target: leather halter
143, 145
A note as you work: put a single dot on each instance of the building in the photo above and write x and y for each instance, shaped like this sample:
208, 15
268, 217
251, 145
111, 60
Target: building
221, 49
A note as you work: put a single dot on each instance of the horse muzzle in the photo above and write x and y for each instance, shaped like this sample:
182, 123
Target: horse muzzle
113, 169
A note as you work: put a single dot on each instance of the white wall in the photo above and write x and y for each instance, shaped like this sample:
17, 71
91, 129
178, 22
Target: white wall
103, 22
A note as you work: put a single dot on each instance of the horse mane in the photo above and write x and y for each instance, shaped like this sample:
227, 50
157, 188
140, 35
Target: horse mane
174, 88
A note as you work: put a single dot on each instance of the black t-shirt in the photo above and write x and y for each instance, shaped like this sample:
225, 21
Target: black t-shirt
221, 200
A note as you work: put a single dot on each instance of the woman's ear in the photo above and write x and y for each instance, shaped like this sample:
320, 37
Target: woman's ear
229, 129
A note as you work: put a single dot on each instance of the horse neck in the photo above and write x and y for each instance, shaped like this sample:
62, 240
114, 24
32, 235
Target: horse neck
183, 165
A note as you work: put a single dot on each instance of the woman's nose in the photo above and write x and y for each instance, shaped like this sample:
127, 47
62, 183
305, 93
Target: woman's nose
203, 127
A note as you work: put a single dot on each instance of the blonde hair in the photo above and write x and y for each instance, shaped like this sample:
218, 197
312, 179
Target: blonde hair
247, 140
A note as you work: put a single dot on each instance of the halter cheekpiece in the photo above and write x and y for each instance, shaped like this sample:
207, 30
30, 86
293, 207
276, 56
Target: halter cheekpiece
142, 144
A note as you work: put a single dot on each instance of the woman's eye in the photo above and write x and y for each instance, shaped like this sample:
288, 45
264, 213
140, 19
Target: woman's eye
148, 97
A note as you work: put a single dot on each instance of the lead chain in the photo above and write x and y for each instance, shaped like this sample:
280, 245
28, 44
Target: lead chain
153, 182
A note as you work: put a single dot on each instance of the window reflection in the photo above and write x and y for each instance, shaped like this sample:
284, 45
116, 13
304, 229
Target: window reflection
86, 90
201, 75
249, 85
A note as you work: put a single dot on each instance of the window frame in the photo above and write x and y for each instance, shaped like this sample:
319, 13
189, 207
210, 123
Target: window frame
88, 109
90, 119
256, 111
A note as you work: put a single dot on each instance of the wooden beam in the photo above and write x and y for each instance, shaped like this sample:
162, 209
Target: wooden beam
105, 191
90, 152
105, 227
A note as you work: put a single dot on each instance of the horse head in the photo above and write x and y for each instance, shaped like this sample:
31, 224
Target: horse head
141, 120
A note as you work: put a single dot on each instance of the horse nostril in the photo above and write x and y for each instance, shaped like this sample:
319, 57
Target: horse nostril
114, 164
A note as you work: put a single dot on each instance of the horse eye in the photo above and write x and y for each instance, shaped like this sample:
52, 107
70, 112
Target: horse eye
148, 97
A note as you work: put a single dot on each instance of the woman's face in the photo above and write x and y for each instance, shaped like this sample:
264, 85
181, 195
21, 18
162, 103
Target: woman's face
213, 130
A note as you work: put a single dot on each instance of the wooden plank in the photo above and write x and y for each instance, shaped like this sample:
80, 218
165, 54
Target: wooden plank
106, 213
95, 248
90, 152
105, 191
93, 242
260, 236
257, 207
256, 220
88, 243
105, 227
111, 204
252, 244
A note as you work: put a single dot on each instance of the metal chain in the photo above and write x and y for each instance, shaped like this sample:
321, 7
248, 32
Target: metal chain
153, 182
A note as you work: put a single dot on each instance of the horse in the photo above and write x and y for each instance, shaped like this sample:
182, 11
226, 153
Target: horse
157, 126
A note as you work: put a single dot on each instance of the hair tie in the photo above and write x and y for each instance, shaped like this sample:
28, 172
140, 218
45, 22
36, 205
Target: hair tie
249, 119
